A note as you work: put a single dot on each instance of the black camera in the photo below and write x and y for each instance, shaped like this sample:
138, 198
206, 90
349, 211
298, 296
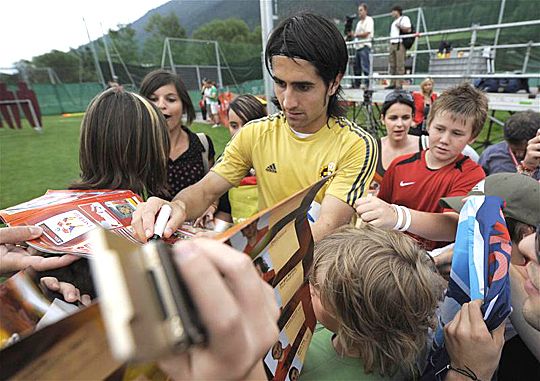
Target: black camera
368, 97
348, 26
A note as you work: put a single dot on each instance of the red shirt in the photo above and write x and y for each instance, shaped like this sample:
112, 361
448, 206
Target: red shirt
409, 182
419, 106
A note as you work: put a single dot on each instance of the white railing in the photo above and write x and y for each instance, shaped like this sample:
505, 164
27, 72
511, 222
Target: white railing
471, 48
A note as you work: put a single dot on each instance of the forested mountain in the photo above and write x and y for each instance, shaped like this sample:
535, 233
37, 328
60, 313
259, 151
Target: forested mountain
236, 25
442, 13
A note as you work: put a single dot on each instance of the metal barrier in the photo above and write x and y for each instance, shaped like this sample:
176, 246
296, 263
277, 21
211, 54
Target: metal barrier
471, 48
28, 102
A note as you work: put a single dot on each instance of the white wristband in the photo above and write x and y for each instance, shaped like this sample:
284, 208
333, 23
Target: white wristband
408, 218
399, 216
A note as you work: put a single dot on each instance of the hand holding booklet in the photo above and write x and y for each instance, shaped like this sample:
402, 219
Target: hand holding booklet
278, 240
67, 216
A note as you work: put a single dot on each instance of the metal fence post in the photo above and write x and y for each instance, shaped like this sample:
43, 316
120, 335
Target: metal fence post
220, 80
527, 56
471, 49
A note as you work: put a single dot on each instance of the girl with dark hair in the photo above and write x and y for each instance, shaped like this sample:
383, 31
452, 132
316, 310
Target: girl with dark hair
396, 115
243, 109
191, 155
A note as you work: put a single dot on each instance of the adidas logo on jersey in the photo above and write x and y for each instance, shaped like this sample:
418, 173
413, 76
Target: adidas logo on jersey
271, 168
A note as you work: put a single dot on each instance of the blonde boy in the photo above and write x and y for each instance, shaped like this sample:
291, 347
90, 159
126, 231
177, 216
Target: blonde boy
375, 292
413, 184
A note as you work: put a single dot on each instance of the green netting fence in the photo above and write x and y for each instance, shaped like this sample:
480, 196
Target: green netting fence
63, 98
241, 62
75, 97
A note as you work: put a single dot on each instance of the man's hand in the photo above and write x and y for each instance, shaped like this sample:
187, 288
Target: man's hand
144, 218
443, 262
376, 212
206, 218
70, 293
532, 156
14, 256
237, 308
470, 344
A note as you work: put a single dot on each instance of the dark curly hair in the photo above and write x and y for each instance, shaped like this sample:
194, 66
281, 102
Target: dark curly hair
521, 126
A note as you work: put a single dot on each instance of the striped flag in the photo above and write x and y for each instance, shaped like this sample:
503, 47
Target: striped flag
479, 271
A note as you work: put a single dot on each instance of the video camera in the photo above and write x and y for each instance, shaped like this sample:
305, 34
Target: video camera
348, 26
368, 97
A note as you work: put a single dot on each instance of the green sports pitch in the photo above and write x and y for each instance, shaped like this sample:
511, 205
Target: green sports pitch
32, 162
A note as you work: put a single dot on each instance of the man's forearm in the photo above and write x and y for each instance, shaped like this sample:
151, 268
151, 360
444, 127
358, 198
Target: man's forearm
434, 226
195, 200
326, 224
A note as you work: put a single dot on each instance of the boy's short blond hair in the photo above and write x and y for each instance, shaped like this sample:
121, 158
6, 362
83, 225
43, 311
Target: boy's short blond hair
463, 103
383, 290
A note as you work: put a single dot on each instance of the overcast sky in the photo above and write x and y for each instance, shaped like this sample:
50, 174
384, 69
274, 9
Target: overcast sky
30, 28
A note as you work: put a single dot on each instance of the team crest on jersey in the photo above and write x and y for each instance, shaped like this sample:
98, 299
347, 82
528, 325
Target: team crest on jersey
328, 170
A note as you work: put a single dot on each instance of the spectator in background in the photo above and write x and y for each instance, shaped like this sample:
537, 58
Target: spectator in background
191, 155
397, 114
113, 83
211, 99
363, 33
242, 201
520, 140
243, 109
423, 101
530, 165
396, 57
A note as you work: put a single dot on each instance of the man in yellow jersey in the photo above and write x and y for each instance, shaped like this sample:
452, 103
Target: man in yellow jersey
308, 139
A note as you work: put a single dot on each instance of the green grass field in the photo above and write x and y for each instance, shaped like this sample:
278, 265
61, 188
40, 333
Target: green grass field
32, 162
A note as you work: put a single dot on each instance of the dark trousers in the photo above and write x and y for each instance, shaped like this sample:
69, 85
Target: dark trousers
361, 65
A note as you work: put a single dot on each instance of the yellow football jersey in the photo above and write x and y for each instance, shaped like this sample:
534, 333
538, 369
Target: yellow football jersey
285, 163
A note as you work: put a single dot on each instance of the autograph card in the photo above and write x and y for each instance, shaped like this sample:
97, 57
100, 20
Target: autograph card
122, 209
99, 213
67, 226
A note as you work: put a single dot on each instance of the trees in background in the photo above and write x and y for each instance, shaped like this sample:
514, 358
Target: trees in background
238, 43
125, 42
229, 30
160, 27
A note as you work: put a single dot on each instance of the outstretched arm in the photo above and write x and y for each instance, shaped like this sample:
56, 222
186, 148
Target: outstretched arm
433, 226
334, 213
189, 204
